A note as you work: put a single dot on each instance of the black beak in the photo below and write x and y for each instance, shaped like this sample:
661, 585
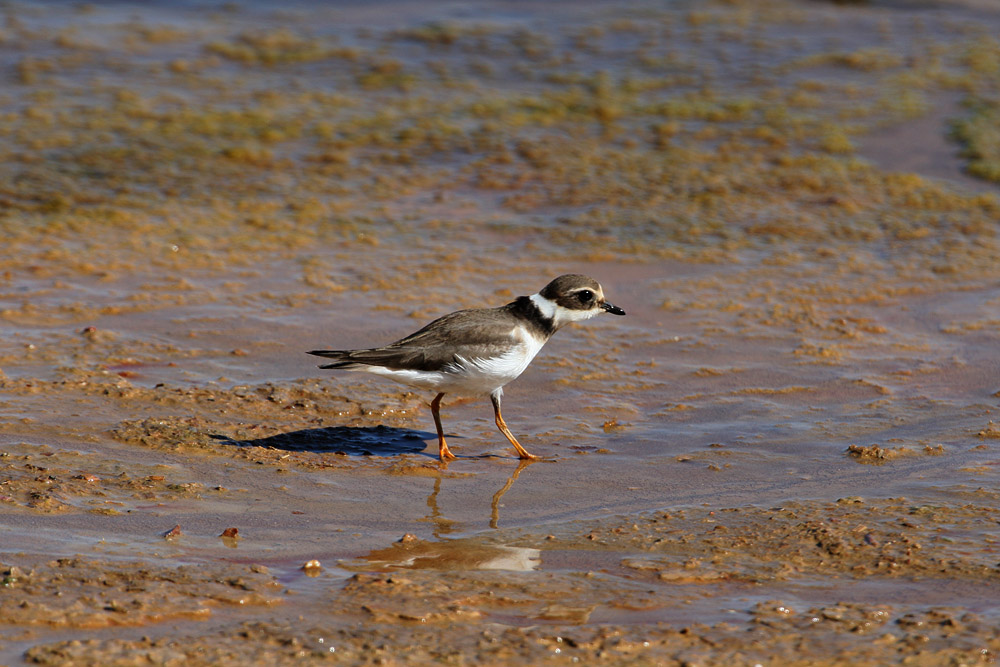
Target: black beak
611, 308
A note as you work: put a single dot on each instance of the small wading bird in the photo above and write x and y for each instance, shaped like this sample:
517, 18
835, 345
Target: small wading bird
478, 351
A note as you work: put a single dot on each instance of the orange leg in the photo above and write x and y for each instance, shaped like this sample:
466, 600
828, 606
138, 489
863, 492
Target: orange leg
443, 450
502, 425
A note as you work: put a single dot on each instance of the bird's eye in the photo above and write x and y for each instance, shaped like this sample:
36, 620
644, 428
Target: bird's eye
586, 296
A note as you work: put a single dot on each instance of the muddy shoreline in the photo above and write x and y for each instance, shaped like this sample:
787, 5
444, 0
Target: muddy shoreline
786, 453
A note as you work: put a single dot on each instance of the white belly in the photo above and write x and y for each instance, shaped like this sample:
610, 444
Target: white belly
469, 376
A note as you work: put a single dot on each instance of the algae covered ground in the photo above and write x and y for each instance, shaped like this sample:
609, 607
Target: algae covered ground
785, 454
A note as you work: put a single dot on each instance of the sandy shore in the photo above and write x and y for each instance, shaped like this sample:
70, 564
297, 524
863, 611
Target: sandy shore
784, 454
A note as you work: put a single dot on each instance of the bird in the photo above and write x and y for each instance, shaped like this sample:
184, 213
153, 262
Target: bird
477, 351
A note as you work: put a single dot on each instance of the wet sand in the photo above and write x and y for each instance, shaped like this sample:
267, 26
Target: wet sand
786, 453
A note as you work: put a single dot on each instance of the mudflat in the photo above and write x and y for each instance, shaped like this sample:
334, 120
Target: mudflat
786, 453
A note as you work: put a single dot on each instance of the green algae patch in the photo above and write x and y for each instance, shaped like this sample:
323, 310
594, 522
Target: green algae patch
278, 47
980, 136
626, 133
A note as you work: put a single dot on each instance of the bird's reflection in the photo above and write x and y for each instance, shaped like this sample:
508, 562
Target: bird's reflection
495, 504
468, 553
471, 553
444, 526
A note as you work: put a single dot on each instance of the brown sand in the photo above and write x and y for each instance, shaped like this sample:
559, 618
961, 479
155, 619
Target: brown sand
786, 453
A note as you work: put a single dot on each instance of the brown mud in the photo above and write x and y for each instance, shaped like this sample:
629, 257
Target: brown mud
786, 453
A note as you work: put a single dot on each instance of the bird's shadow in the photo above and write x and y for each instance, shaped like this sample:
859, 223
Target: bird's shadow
344, 440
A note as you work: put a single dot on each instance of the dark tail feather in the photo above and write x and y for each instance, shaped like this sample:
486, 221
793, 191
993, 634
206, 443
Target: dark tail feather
334, 354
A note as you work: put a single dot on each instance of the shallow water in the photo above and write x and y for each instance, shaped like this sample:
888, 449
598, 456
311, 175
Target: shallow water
194, 197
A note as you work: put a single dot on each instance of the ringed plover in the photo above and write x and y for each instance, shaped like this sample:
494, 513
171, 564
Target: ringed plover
477, 351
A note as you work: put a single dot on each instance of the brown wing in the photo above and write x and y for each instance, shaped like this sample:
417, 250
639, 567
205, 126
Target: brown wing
477, 333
